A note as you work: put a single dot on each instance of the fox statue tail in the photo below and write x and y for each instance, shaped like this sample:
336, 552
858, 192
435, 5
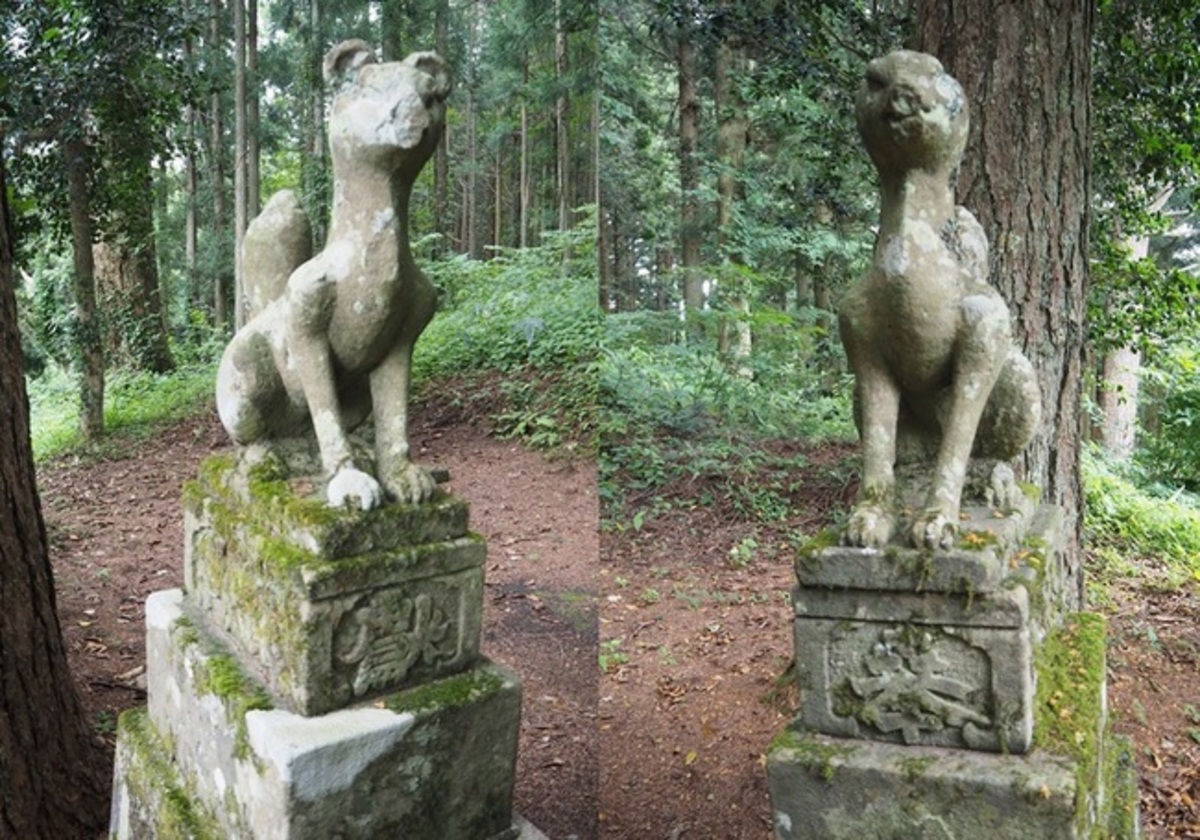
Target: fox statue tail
276, 243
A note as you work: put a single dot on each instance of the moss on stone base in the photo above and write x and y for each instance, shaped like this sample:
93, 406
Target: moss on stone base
1070, 720
165, 808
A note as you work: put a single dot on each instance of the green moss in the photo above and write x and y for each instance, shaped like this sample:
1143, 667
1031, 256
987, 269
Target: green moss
818, 757
1120, 772
844, 701
918, 564
152, 778
1031, 491
449, 692
221, 676
1068, 710
914, 769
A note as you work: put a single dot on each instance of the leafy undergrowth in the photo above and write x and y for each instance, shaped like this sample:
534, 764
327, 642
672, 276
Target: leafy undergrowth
1139, 531
136, 406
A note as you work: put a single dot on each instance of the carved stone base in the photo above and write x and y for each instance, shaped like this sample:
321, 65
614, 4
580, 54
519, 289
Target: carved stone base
210, 758
328, 606
932, 648
950, 694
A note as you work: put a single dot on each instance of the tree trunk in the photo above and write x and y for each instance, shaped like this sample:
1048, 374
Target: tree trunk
240, 197
441, 159
217, 173
253, 150
391, 25
525, 185
689, 177
1117, 395
732, 133
562, 123
88, 339
55, 778
314, 170
1026, 70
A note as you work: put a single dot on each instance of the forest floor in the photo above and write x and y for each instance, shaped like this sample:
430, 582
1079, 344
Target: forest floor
687, 618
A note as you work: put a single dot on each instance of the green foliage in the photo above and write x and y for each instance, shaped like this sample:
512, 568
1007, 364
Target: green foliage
530, 315
138, 405
674, 412
1134, 527
1171, 452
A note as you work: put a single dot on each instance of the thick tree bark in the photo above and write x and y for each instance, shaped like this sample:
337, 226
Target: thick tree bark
88, 339
54, 780
689, 171
1026, 69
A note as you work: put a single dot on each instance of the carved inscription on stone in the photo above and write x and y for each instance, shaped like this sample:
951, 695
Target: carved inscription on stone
390, 633
910, 680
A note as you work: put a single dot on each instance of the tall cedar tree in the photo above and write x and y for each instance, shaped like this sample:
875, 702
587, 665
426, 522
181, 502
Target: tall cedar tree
1026, 70
53, 779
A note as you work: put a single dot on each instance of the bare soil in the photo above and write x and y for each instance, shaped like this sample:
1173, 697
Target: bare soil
666, 739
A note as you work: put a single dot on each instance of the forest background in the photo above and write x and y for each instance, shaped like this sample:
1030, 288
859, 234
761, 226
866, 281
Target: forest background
641, 219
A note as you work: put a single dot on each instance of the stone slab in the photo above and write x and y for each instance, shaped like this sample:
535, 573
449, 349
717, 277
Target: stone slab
437, 760
825, 788
993, 548
271, 574
152, 800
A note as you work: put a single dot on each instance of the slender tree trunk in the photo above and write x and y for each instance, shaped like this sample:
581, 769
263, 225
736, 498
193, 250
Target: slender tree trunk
217, 173
314, 170
55, 779
689, 172
562, 122
88, 339
240, 196
441, 159
253, 129
1120, 378
391, 25
525, 186
189, 224
603, 270
498, 197
732, 131
1026, 70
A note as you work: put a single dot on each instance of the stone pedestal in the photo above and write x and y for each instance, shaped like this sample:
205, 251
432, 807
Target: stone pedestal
320, 677
949, 694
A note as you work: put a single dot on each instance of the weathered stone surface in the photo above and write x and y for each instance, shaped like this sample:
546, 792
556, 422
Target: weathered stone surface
274, 575
332, 337
938, 378
830, 789
927, 646
1079, 782
433, 761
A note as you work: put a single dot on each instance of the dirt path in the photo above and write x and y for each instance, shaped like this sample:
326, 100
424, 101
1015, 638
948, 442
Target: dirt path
116, 532
692, 632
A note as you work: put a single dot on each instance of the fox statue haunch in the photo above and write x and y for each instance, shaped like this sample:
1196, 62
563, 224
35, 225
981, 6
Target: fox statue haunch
929, 340
332, 337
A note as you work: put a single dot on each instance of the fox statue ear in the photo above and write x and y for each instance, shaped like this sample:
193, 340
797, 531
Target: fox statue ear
344, 59
433, 66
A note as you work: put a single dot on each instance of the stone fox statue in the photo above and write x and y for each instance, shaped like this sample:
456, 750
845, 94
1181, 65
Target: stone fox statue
929, 340
331, 338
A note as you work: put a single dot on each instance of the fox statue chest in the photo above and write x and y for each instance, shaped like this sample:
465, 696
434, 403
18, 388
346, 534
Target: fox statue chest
916, 287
